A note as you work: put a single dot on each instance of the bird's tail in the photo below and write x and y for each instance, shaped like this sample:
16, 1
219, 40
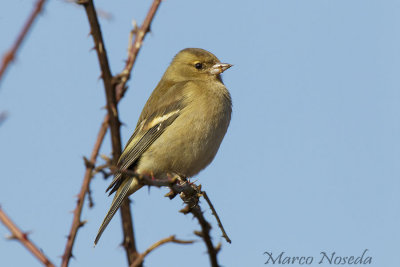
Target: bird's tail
129, 186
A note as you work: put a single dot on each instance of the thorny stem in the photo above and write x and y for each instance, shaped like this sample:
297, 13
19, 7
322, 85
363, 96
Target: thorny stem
9, 56
23, 238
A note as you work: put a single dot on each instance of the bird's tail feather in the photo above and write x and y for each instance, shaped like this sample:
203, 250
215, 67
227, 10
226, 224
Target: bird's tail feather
116, 203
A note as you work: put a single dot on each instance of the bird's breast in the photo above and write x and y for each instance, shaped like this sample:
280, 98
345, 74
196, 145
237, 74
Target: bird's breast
192, 141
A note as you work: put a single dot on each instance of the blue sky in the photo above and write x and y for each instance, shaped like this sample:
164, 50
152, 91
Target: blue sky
310, 162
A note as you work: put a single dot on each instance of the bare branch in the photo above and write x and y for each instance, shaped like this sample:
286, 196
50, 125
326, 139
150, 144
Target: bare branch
23, 238
76, 222
171, 239
214, 212
205, 234
134, 48
190, 194
95, 31
9, 56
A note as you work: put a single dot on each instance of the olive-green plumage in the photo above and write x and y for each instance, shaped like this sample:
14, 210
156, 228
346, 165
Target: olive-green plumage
180, 128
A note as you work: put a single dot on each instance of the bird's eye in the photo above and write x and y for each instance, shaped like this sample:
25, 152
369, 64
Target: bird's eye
198, 66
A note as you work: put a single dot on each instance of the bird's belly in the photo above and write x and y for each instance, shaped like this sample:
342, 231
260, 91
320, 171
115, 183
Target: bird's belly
197, 146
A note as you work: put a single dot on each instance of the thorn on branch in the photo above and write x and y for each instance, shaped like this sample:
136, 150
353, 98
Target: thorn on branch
106, 159
90, 198
82, 223
88, 163
148, 30
171, 194
25, 235
198, 233
185, 210
218, 247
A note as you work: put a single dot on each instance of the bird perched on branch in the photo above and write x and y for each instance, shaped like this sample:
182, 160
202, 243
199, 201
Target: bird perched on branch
180, 128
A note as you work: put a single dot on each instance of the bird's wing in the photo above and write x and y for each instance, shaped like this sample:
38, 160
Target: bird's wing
150, 126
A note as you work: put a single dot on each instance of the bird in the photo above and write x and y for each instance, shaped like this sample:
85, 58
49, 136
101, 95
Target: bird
180, 128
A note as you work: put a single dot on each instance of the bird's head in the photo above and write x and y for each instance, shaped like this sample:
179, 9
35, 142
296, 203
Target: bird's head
195, 64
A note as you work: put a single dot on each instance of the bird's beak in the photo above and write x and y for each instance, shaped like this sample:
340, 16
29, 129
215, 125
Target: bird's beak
220, 68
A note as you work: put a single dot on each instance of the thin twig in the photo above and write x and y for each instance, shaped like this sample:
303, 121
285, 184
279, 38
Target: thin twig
171, 239
9, 56
76, 222
134, 48
23, 238
103, 169
214, 212
205, 234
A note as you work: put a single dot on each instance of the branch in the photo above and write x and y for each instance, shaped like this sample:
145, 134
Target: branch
190, 194
205, 234
76, 221
214, 212
9, 56
134, 48
114, 123
111, 86
23, 238
106, 76
120, 88
139, 260
112, 119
